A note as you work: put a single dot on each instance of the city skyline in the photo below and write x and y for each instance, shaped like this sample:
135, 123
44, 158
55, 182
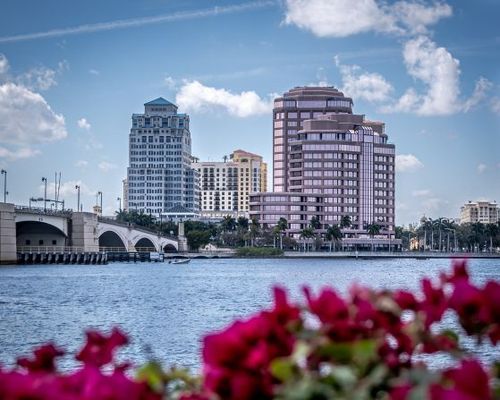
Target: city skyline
70, 80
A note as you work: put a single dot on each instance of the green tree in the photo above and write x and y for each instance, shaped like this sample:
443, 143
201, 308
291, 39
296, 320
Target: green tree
197, 239
228, 223
345, 222
491, 230
373, 229
254, 230
333, 234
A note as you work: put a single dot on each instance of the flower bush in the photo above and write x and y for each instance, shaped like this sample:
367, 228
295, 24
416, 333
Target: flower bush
369, 344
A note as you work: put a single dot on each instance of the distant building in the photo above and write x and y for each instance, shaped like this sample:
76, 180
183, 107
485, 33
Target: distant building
329, 163
225, 186
160, 176
479, 211
125, 194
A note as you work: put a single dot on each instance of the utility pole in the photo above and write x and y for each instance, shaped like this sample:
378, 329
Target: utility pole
44, 180
77, 187
4, 172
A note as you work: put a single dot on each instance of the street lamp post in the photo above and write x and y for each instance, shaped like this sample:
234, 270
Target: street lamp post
4, 172
100, 194
119, 200
44, 180
77, 187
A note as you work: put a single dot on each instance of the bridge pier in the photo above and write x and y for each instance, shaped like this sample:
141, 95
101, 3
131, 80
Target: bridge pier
84, 231
8, 248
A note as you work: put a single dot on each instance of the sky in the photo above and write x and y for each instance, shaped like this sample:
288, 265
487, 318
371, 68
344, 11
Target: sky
72, 73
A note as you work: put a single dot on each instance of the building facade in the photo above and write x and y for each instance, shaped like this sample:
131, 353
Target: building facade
329, 163
225, 186
160, 175
480, 211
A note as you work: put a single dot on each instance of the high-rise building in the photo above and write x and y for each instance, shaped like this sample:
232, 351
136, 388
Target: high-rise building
329, 163
225, 186
480, 211
160, 176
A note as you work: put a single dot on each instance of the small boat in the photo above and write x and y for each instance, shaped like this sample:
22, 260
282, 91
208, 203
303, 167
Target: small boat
180, 261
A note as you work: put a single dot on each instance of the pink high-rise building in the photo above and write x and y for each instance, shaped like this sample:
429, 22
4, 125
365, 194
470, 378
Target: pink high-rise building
329, 163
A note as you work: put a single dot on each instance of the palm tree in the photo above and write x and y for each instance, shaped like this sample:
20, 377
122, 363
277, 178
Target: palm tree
491, 230
333, 233
373, 229
280, 228
242, 223
345, 222
307, 233
477, 233
228, 223
254, 230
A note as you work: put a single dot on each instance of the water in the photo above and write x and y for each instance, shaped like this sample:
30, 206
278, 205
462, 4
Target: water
168, 308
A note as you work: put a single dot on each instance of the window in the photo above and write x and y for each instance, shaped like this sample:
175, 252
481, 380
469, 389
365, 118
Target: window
40, 242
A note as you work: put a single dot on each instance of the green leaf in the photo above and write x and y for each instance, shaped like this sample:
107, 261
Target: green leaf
153, 375
282, 369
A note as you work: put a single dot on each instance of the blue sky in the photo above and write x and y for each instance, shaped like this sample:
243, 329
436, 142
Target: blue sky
72, 73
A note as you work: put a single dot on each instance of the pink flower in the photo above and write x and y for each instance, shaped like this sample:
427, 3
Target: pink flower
44, 360
99, 349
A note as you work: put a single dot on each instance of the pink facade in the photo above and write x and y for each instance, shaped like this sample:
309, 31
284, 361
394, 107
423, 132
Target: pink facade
328, 163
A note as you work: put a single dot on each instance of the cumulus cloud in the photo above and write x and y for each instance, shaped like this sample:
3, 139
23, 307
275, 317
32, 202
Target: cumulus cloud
341, 18
67, 189
194, 96
407, 163
94, 72
81, 163
421, 193
41, 78
481, 89
83, 124
106, 166
170, 82
359, 84
26, 118
4, 64
495, 105
434, 204
481, 168
18, 154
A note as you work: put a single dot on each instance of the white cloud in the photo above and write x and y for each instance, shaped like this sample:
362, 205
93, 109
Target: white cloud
340, 18
421, 193
18, 154
40, 78
481, 168
106, 166
81, 163
4, 64
481, 88
94, 72
170, 82
67, 189
83, 124
93, 144
407, 163
359, 84
495, 105
433, 205
194, 96
436, 68
26, 118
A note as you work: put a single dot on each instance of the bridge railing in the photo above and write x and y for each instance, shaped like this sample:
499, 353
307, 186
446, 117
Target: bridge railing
76, 249
135, 226
41, 211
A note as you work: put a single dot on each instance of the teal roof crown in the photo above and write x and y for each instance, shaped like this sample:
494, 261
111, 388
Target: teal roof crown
160, 101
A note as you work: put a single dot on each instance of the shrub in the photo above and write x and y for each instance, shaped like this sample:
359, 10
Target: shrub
258, 252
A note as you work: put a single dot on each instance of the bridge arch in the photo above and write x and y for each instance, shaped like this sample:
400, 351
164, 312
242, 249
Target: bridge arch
169, 248
145, 243
111, 238
38, 233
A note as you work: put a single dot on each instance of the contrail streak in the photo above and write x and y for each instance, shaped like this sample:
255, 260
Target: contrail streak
129, 23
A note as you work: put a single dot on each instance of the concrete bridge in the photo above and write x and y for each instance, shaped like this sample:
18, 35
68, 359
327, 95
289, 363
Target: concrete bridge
25, 229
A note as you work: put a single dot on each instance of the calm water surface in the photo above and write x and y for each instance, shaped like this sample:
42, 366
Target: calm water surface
167, 308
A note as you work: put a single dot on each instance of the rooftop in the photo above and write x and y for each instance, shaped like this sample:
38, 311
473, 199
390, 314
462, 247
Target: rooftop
160, 101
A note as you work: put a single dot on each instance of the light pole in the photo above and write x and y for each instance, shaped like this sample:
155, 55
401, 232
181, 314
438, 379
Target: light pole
100, 194
44, 180
4, 172
119, 200
77, 187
